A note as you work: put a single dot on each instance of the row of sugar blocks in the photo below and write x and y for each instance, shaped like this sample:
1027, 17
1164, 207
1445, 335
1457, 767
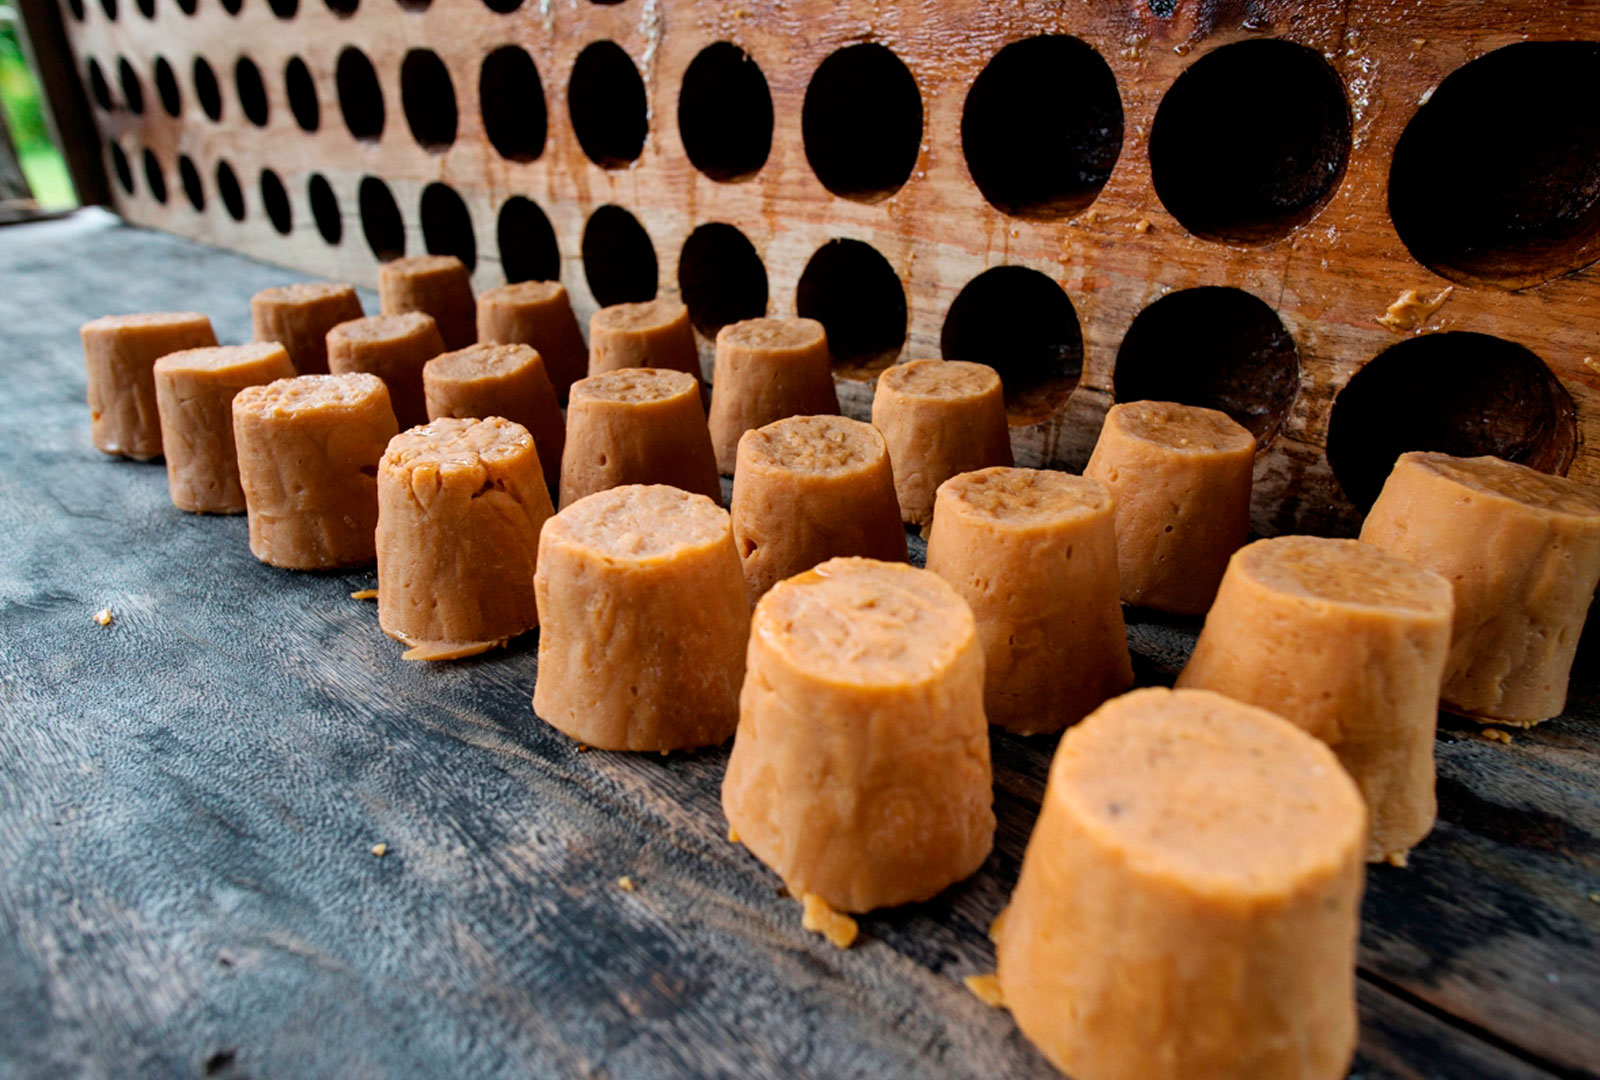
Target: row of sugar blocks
1189, 902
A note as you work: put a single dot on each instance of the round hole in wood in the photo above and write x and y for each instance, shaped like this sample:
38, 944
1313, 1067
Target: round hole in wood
301, 90
606, 99
99, 89
343, 8
360, 96
110, 8
414, 5
206, 89
276, 202
252, 91
1458, 393
155, 179
527, 242
429, 100
147, 8
167, 87
862, 122
1250, 141
504, 7
855, 294
1042, 127
512, 98
284, 9
188, 6
1021, 323
721, 278
447, 226
725, 113
192, 187
232, 7
381, 223
132, 88
619, 261
325, 209
75, 7
1217, 347
120, 166
232, 194
1496, 179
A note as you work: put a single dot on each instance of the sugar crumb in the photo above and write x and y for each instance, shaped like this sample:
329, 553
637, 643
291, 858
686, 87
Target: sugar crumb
820, 918
364, 594
733, 836
625, 883
380, 849
986, 988
103, 617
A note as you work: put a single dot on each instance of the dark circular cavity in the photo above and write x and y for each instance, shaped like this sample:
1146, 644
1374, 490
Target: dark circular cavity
381, 223
343, 8
429, 99
132, 88
721, 278
232, 194
619, 261
504, 7
252, 91
606, 99
512, 98
1022, 324
284, 9
1458, 393
447, 226
1496, 179
276, 201
155, 179
1221, 348
360, 97
167, 87
147, 8
76, 8
99, 89
527, 242
1042, 127
855, 294
325, 209
725, 113
414, 5
124, 171
110, 8
1250, 141
190, 177
232, 6
862, 122
301, 90
188, 6
206, 89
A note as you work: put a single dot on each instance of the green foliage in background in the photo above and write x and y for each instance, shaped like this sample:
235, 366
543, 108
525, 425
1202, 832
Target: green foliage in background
19, 95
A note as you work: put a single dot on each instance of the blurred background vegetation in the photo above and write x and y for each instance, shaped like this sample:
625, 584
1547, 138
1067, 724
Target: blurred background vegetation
19, 95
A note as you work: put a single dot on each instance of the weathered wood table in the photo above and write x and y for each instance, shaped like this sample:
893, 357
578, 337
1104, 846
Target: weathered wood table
188, 799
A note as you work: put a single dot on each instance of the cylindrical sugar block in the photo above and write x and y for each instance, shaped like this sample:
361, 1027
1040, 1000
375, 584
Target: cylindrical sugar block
436, 285
767, 369
194, 391
807, 489
460, 506
299, 316
1522, 550
1033, 553
500, 380
1180, 478
1190, 899
643, 621
637, 426
939, 418
536, 313
394, 348
308, 462
860, 771
120, 354
1345, 641
652, 334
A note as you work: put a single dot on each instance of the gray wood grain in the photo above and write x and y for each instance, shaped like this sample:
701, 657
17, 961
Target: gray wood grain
190, 795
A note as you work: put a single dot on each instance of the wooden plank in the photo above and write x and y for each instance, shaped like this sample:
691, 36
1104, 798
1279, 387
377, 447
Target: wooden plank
44, 40
185, 876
